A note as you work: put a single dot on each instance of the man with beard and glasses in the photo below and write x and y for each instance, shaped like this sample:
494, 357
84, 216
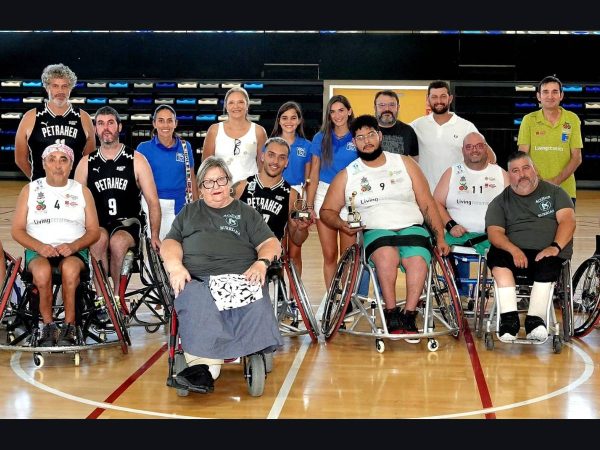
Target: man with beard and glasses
552, 135
530, 226
464, 192
398, 137
56, 121
393, 199
441, 134
271, 195
118, 176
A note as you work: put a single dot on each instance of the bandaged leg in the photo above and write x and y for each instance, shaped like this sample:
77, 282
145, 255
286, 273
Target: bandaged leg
535, 325
509, 317
214, 365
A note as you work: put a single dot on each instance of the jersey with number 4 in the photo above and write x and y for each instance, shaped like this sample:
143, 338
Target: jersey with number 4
112, 182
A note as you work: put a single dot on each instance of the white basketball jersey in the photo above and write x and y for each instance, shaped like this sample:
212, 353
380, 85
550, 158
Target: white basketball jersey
470, 192
55, 215
384, 195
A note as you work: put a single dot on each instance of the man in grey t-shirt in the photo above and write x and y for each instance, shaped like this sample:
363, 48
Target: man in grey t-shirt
530, 226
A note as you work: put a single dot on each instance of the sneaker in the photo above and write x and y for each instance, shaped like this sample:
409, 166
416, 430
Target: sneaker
102, 317
535, 327
196, 379
68, 336
392, 319
49, 335
509, 326
409, 325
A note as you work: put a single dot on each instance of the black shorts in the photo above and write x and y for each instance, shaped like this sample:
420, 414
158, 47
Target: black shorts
543, 271
132, 225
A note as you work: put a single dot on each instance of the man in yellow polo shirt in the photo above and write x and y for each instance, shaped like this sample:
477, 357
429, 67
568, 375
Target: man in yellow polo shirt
552, 136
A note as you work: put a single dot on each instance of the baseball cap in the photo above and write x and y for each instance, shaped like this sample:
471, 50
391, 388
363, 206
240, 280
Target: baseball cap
59, 148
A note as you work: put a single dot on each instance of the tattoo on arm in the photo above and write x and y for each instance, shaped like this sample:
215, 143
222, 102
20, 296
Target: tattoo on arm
429, 222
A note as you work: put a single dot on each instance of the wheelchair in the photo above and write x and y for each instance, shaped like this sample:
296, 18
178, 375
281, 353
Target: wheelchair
560, 296
19, 313
293, 311
586, 294
256, 365
470, 274
439, 304
155, 294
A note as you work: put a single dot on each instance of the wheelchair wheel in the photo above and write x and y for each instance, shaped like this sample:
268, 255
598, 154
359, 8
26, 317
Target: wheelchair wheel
255, 374
340, 291
586, 297
111, 306
160, 277
564, 293
12, 270
300, 296
445, 293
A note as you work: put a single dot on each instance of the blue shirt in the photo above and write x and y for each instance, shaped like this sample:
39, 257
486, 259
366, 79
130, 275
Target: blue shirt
344, 152
168, 168
299, 157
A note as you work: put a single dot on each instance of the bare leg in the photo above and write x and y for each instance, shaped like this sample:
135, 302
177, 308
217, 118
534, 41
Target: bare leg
42, 279
70, 269
386, 261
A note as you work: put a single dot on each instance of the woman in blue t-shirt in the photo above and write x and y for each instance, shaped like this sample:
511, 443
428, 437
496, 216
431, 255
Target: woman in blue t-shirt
172, 168
332, 150
289, 125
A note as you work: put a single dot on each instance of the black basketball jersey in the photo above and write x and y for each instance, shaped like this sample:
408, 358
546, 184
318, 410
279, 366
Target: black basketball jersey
52, 129
273, 203
112, 182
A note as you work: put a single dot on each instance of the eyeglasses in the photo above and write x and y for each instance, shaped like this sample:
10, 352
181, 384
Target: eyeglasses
209, 184
370, 135
390, 104
236, 148
479, 146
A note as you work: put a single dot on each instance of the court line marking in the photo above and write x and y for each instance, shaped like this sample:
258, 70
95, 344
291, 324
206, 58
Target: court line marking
587, 373
280, 401
288, 382
482, 387
16, 367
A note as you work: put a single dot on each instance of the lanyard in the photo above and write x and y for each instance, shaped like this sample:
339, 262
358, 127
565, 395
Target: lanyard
188, 174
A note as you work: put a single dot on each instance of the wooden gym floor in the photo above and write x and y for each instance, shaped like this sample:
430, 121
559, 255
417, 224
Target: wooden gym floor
345, 378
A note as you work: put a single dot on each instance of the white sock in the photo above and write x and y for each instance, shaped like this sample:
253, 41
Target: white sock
538, 299
507, 299
193, 360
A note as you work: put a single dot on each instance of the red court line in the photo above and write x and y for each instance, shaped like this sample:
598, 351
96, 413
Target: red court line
484, 392
129, 381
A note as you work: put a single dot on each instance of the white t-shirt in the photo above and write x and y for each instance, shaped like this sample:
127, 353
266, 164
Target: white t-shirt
55, 215
384, 195
440, 146
470, 192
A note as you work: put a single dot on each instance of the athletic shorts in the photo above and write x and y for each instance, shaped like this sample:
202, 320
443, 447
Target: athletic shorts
546, 270
83, 255
132, 225
371, 236
320, 196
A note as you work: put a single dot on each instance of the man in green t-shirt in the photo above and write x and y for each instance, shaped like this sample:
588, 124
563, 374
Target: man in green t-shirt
530, 226
552, 136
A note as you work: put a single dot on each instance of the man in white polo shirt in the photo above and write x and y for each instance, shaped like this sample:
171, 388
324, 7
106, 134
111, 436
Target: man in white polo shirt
441, 134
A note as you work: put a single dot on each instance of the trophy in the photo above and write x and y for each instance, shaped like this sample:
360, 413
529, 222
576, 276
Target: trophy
353, 214
300, 210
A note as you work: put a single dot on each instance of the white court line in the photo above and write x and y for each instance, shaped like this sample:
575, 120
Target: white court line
16, 367
587, 373
293, 372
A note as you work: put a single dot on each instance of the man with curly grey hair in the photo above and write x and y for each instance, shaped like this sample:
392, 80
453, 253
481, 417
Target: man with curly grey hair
56, 121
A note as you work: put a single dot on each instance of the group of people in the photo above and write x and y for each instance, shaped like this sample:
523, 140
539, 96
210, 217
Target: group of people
219, 230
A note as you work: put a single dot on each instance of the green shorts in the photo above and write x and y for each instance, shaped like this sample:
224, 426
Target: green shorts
405, 251
480, 247
83, 255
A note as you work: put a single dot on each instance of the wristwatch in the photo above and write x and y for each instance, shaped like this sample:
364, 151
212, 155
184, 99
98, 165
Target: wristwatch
267, 261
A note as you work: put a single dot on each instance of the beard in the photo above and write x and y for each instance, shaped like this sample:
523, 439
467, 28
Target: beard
440, 109
370, 156
384, 120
